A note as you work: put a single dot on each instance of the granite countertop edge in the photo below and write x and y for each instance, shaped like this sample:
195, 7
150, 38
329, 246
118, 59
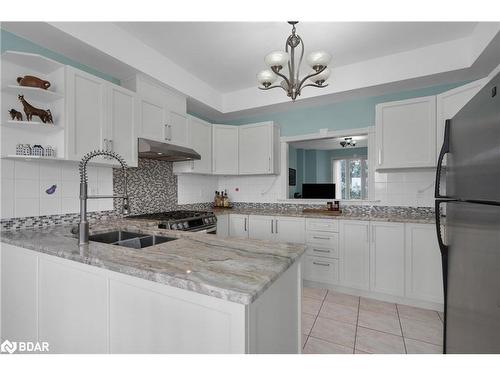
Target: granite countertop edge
35, 240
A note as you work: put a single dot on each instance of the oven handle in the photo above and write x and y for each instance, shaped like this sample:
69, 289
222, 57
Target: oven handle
207, 230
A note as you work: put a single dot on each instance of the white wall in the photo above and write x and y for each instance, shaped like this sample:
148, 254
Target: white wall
23, 186
262, 189
196, 188
408, 188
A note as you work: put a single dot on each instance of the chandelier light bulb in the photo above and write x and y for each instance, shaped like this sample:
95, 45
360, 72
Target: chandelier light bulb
318, 59
266, 78
277, 59
320, 78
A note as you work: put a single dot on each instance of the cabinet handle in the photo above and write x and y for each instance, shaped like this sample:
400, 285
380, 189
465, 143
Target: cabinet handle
245, 224
321, 264
379, 156
276, 226
272, 230
321, 238
110, 145
269, 166
168, 133
321, 251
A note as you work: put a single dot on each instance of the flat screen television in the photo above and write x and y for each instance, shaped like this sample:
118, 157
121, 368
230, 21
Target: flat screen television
318, 191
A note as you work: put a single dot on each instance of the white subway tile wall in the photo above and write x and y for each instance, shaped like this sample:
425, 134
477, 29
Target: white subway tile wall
196, 188
25, 183
402, 188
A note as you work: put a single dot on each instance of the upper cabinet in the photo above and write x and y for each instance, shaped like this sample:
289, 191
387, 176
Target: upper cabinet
225, 149
406, 133
199, 139
450, 102
258, 148
100, 116
162, 111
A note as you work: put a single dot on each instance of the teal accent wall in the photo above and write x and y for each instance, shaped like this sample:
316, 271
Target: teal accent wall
12, 42
349, 114
348, 152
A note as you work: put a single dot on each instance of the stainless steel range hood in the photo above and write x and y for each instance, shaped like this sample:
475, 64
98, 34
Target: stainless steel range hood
149, 149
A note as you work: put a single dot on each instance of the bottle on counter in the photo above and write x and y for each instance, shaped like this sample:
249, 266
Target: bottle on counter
226, 199
217, 199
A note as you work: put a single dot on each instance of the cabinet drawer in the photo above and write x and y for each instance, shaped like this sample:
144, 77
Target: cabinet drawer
323, 251
322, 225
322, 239
321, 269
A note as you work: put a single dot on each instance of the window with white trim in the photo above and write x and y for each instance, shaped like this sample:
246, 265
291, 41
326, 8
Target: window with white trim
350, 176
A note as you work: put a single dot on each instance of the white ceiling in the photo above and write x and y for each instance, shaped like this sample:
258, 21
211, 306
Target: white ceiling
227, 55
330, 143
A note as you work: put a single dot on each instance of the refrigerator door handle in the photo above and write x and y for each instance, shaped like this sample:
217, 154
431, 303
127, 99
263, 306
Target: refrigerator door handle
437, 212
444, 150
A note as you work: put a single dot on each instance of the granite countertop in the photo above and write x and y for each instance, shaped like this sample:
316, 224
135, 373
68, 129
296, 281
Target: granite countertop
400, 217
230, 269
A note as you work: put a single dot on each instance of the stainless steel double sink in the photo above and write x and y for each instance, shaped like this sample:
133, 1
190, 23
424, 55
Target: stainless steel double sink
130, 239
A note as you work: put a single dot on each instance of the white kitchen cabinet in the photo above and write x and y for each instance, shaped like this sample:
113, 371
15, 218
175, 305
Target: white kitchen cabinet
153, 119
290, 229
406, 133
18, 294
101, 116
122, 123
86, 113
223, 226
177, 128
261, 227
450, 102
258, 148
200, 140
320, 269
424, 276
355, 254
276, 228
387, 258
225, 149
238, 225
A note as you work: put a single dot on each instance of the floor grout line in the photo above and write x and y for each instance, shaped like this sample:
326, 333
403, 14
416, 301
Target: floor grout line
315, 318
356, 330
401, 328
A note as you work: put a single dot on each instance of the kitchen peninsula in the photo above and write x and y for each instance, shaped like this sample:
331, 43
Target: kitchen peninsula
193, 294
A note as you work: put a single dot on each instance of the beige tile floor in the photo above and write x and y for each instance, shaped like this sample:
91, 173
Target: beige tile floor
337, 323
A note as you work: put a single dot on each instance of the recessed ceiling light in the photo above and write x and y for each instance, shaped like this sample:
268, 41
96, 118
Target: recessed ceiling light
160, 153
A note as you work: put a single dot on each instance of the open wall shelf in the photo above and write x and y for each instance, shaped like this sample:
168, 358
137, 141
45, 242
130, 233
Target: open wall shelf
33, 93
32, 126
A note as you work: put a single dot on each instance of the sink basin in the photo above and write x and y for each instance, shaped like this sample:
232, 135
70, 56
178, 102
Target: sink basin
130, 239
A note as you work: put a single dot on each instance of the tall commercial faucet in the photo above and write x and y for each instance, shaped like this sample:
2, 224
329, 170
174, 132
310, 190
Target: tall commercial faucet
83, 225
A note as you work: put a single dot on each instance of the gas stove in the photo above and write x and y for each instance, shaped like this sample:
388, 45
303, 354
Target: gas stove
192, 221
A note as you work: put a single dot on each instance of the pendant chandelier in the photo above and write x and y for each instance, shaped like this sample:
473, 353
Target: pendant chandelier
291, 82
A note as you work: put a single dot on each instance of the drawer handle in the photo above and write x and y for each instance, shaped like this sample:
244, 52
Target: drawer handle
322, 264
321, 238
321, 251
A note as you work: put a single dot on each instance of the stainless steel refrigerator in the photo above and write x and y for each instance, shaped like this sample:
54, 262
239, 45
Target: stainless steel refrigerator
470, 243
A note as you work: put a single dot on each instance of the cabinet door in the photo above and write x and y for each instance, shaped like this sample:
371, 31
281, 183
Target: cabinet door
86, 113
387, 258
223, 226
238, 226
18, 294
177, 128
406, 133
261, 227
200, 139
290, 229
450, 102
424, 276
152, 120
255, 149
225, 149
122, 132
355, 254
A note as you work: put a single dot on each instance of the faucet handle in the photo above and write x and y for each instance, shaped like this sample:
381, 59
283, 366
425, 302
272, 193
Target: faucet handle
125, 206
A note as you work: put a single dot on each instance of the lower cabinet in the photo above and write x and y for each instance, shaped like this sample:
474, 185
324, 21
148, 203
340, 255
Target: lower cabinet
387, 258
276, 228
320, 269
238, 226
423, 272
355, 254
